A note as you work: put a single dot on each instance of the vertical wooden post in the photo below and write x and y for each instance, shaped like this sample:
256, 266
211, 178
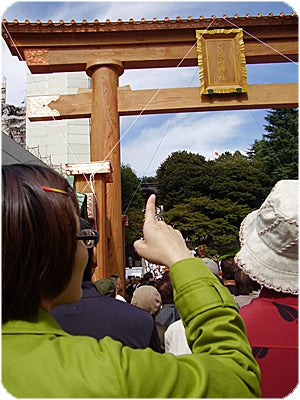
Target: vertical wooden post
100, 185
101, 212
105, 146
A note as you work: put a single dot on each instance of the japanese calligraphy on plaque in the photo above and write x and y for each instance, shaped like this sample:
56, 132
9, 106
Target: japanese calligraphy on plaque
222, 61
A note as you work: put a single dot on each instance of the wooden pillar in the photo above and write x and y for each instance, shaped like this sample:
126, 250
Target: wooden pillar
104, 145
102, 178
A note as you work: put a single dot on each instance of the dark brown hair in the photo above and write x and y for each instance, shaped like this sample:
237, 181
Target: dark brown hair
243, 282
39, 231
165, 289
228, 267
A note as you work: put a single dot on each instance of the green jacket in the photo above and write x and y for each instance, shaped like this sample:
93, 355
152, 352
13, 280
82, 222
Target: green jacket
41, 360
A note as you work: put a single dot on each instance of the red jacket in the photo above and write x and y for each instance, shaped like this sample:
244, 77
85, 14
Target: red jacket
272, 326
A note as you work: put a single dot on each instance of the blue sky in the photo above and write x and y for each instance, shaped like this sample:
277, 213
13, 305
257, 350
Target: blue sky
149, 140
78, 10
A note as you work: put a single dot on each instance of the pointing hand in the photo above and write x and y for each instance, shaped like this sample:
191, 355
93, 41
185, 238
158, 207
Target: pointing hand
161, 244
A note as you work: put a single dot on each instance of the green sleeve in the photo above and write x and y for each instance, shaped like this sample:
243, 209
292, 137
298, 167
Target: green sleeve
221, 365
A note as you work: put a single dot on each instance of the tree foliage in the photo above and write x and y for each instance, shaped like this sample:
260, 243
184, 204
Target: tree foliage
132, 206
235, 177
130, 184
238, 178
202, 220
208, 199
180, 174
278, 149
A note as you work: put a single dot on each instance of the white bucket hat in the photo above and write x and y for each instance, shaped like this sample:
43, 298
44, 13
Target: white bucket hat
269, 240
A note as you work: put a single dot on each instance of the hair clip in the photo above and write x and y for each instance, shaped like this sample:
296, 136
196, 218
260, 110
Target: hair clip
48, 189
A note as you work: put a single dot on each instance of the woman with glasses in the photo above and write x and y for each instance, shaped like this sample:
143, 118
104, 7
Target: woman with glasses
43, 260
90, 237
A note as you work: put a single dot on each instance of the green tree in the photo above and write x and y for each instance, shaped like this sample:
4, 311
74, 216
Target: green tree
240, 179
202, 220
278, 149
132, 206
180, 176
230, 176
130, 185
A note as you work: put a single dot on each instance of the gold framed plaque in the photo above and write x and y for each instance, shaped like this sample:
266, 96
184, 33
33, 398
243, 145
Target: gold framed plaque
222, 61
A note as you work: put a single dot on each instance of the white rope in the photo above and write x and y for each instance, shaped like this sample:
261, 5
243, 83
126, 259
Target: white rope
260, 41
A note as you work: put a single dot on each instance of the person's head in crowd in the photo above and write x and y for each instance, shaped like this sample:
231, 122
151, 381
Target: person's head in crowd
118, 282
165, 288
269, 240
134, 280
227, 265
244, 284
148, 276
106, 287
211, 265
46, 268
148, 298
148, 279
92, 259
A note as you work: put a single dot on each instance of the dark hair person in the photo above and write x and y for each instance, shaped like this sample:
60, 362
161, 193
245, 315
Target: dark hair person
39, 229
44, 257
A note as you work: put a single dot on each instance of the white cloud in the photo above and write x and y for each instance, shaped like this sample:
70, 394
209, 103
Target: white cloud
198, 133
161, 78
149, 9
137, 10
15, 72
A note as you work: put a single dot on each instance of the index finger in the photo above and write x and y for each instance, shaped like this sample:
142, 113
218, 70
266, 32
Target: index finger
150, 208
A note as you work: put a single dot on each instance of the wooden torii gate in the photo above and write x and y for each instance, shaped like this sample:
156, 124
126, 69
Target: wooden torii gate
104, 50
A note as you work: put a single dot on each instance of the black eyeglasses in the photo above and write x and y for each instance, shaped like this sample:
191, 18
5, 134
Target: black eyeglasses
89, 237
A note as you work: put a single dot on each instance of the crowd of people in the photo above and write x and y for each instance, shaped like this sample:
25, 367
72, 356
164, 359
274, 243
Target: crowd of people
263, 280
204, 329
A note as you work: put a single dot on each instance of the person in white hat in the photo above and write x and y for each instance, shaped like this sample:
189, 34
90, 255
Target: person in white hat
269, 255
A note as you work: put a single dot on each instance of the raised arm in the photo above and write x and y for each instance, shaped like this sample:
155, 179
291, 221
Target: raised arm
161, 244
221, 363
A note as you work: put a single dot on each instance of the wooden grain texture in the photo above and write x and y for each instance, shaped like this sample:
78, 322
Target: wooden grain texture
159, 101
104, 145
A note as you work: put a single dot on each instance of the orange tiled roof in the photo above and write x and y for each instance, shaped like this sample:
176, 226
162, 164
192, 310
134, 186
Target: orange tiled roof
150, 24
117, 37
